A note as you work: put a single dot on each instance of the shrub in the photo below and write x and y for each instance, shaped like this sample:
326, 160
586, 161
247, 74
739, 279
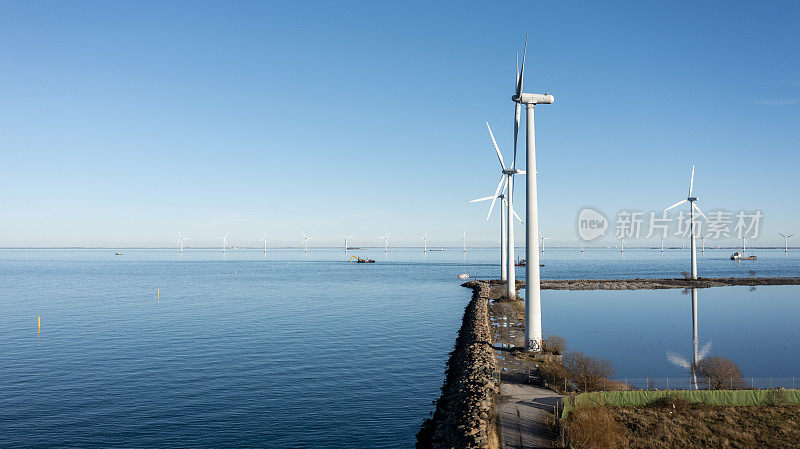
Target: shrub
594, 427
720, 372
554, 373
589, 373
553, 344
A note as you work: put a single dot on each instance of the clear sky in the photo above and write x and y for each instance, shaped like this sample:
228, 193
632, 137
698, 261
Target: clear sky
122, 123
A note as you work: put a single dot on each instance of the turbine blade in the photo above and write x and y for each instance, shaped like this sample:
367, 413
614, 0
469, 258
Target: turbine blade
691, 182
675, 359
676, 205
515, 214
697, 208
496, 148
704, 352
782, 235
518, 106
481, 199
496, 193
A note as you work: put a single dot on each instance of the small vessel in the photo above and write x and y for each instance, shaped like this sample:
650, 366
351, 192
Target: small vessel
118, 253
521, 263
435, 249
351, 248
738, 256
360, 260
463, 276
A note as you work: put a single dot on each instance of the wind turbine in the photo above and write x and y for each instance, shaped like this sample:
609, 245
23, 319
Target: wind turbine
533, 300
692, 207
621, 244
464, 238
503, 228
662, 244
224, 242
744, 245
785, 242
541, 240
703, 240
697, 355
581, 244
425, 240
181, 238
507, 183
345, 240
386, 242
265, 243
305, 241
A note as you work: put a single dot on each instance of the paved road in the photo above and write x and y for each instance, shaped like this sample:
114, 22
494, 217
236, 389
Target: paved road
523, 411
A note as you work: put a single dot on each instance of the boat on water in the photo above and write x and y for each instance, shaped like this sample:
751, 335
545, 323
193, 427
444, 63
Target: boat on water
436, 249
524, 263
350, 248
738, 256
118, 253
463, 276
360, 260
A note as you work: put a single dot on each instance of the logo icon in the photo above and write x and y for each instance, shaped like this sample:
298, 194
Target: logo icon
591, 224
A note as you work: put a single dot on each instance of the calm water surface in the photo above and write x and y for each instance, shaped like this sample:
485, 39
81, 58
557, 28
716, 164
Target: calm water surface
310, 351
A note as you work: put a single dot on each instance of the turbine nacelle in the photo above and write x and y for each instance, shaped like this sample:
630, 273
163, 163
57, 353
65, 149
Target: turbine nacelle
526, 98
513, 171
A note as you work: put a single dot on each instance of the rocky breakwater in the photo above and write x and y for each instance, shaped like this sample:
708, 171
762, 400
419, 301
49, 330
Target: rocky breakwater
465, 413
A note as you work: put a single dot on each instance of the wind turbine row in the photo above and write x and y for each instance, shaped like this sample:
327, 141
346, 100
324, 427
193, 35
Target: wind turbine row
533, 307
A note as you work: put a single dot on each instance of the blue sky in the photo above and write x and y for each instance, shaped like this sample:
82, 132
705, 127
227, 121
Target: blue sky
121, 123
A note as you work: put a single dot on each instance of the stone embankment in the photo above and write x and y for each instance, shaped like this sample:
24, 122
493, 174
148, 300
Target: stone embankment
465, 415
641, 284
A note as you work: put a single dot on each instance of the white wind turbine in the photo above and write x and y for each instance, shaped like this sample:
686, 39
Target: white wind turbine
697, 355
785, 242
425, 242
224, 242
503, 229
533, 300
692, 207
345, 237
506, 184
541, 240
703, 244
305, 241
744, 245
386, 242
181, 238
264, 239
621, 244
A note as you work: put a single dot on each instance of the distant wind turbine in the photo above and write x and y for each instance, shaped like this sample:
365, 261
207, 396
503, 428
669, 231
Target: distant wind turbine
464, 238
345, 237
224, 242
385, 242
181, 238
692, 207
425, 242
785, 242
744, 245
622, 244
305, 241
541, 241
703, 240
264, 239
581, 244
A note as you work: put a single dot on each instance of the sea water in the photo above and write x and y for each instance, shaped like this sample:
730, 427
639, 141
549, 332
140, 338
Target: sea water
288, 350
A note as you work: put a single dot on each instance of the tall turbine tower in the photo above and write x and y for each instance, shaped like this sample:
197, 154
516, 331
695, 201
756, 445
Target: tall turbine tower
785, 242
181, 238
425, 242
533, 300
692, 207
507, 179
464, 238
